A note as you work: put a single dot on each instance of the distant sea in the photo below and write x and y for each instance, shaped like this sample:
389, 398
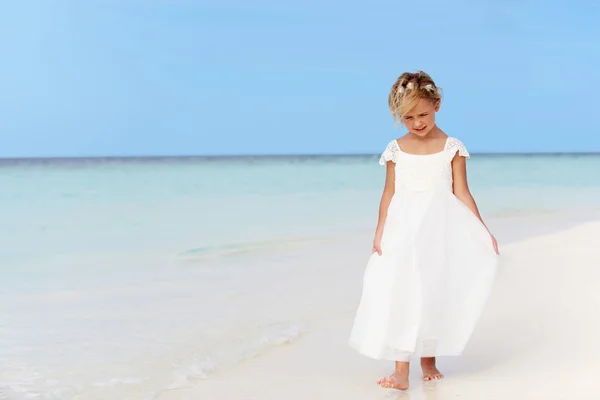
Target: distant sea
123, 277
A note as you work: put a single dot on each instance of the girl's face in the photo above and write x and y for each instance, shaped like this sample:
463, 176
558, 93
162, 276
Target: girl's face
421, 119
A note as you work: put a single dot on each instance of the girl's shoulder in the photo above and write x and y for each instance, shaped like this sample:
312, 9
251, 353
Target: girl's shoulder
390, 153
455, 145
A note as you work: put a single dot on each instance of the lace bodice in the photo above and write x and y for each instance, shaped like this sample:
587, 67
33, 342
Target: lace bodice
419, 172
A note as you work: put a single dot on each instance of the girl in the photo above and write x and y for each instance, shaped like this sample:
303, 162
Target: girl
433, 259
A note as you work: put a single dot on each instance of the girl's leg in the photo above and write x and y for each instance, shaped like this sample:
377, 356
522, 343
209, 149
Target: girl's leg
399, 379
430, 371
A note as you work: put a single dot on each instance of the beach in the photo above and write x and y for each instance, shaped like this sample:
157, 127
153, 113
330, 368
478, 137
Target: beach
537, 339
238, 278
190, 193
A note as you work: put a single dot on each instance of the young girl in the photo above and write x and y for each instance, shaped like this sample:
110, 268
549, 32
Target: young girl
433, 259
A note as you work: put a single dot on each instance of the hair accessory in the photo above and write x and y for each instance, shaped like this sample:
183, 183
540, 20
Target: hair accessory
428, 87
409, 86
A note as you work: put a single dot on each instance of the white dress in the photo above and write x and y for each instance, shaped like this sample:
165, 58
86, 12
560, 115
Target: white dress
426, 291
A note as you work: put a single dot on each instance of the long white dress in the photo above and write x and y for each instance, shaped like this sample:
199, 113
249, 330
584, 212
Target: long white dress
426, 291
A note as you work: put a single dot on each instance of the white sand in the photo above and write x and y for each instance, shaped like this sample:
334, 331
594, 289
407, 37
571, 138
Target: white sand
539, 338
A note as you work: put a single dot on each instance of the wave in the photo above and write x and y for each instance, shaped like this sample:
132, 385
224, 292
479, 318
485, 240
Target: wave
223, 357
200, 253
184, 368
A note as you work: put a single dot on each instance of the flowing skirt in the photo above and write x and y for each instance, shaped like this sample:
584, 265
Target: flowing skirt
427, 289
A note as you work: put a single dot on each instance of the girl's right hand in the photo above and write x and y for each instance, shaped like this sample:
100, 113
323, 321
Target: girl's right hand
376, 246
495, 244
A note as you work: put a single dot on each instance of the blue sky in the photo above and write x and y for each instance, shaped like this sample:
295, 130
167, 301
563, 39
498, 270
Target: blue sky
84, 78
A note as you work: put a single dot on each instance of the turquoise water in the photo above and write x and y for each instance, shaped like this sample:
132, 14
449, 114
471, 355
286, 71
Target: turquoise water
177, 205
123, 277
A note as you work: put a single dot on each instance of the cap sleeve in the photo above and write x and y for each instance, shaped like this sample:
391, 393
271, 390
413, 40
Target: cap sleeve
390, 153
454, 145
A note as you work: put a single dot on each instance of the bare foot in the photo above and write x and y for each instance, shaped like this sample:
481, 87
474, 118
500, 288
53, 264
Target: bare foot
398, 380
430, 371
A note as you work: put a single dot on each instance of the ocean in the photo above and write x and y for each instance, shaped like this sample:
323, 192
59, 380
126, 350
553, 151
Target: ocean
126, 277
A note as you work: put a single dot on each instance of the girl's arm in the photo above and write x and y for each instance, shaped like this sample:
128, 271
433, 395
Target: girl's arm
461, 190
460, 186
386, 197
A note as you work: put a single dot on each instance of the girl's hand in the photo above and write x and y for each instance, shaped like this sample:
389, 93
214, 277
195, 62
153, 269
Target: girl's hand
495, 243
376, 246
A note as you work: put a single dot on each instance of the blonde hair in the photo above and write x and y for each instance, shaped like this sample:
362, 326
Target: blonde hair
408, 89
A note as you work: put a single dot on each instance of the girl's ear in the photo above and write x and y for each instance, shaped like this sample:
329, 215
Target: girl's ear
437, 106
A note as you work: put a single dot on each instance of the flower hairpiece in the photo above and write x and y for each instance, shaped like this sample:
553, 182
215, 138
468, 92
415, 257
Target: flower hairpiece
430, 88
409, 86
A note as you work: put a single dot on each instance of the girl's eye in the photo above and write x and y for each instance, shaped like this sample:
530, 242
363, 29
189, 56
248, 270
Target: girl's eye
407, 117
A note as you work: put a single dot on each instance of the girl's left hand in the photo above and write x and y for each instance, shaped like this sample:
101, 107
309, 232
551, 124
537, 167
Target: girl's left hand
495, 243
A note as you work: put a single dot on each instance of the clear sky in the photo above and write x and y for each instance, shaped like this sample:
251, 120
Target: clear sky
152, 77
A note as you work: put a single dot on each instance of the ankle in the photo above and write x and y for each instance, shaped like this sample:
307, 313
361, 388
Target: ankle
402, 366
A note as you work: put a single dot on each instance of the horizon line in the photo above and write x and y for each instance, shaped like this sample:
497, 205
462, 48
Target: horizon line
6, 161
274, 155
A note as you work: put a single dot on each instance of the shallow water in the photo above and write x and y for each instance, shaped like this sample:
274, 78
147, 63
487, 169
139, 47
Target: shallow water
122, 278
